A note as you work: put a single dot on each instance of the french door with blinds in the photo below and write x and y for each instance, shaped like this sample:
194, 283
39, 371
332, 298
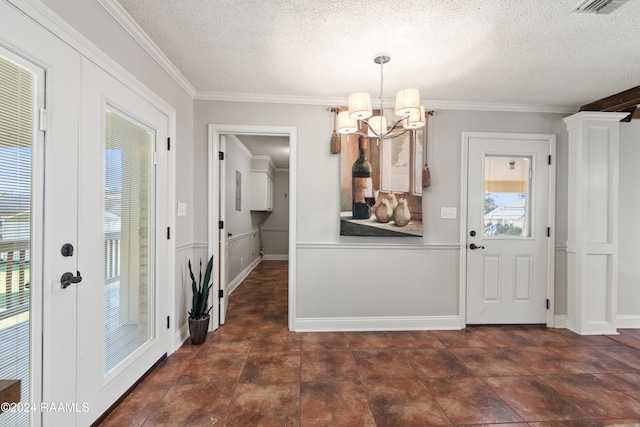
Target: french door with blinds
21, 95
120, 298
86, 199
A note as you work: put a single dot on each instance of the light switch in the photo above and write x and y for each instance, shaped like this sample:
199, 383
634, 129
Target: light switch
182, 209
448, 213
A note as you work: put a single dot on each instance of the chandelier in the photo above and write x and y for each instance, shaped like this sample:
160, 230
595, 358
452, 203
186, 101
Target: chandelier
410, 113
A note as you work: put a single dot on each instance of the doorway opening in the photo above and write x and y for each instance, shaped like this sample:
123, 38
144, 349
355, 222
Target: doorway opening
258, 186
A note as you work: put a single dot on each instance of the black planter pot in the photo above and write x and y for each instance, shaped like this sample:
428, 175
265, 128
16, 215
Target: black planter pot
198, 330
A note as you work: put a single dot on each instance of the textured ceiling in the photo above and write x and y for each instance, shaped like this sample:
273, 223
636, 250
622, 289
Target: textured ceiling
276, 147
531, 52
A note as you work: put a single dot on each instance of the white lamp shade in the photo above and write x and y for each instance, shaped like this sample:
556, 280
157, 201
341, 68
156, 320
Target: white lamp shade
416, 121
346, 125
360, 106
407, 102
377, 126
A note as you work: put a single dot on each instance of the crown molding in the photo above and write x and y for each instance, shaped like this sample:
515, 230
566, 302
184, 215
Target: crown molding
126, 21
430, 105
41, 14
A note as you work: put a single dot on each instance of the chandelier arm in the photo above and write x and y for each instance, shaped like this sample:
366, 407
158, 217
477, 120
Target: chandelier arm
396, 124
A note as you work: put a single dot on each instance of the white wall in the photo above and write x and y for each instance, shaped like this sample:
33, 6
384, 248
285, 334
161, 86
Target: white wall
629, 227
275, 228
410, 290
244, 243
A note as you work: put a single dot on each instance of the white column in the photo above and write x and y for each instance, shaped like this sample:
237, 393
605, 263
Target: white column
592, 242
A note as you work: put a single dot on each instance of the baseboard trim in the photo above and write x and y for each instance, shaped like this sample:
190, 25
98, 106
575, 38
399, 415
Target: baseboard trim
275, 257
390, 323
180, 336
243, 275
560, 321
627, 321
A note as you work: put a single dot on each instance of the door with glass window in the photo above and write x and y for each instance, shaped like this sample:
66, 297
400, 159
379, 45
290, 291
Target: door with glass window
21, 154
120, 299
508, 228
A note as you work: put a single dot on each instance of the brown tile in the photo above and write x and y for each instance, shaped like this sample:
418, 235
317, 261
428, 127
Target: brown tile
137, 406
334, 404
271, 368
377, 364
324, 366
627, 383
269, 340
413, 340
463, 338
369, 340
214, 367
489, 362
599, 399
588, 359
500, 336
542, 361
545, 337
435, 363
584, 339
323, 341
170, 369
264, 405
232, 341
193, 405
469, 401
403, 403
624, 354
574, 423
535, 400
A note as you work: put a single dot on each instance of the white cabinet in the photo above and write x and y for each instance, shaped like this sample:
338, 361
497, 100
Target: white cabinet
261, 191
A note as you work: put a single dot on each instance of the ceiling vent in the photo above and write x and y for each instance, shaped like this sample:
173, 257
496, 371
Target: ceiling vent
598, 6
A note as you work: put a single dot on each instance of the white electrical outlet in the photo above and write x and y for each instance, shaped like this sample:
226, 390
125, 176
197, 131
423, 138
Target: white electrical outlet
241, 262
448, 213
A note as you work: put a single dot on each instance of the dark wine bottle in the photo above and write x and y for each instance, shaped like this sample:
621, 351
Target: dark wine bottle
361, 182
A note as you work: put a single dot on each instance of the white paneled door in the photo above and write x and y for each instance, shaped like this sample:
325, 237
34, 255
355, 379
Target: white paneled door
123, 296
509, 228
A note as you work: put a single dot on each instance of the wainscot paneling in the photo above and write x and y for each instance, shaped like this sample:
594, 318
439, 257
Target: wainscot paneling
377, 287
243, 256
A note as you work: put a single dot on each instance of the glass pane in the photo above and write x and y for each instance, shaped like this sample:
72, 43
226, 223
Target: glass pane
17, 86
128, 260
506, 196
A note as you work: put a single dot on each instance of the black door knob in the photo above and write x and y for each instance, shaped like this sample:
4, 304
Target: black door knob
68, 278
474, 247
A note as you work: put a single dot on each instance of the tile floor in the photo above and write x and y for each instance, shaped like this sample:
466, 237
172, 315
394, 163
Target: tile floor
253, 372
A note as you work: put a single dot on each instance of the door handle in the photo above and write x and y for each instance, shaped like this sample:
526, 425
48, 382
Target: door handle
474, 247
68, 278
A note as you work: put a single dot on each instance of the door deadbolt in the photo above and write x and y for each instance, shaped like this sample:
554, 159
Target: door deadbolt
67, 249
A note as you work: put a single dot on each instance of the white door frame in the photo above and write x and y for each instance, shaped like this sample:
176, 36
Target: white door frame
215, 131
551, 138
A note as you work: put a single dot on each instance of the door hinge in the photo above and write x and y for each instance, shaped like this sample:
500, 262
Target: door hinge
549, 158
168, 233
168, 322
220, 225
43, 120
548, 231
168, 144
155, 158
220, 293
547, 303
220, 155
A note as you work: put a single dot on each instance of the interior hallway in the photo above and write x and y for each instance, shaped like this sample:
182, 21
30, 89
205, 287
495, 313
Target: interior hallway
252, 371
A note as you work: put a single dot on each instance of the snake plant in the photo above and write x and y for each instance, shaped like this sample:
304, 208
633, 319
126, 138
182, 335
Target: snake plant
201, 290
